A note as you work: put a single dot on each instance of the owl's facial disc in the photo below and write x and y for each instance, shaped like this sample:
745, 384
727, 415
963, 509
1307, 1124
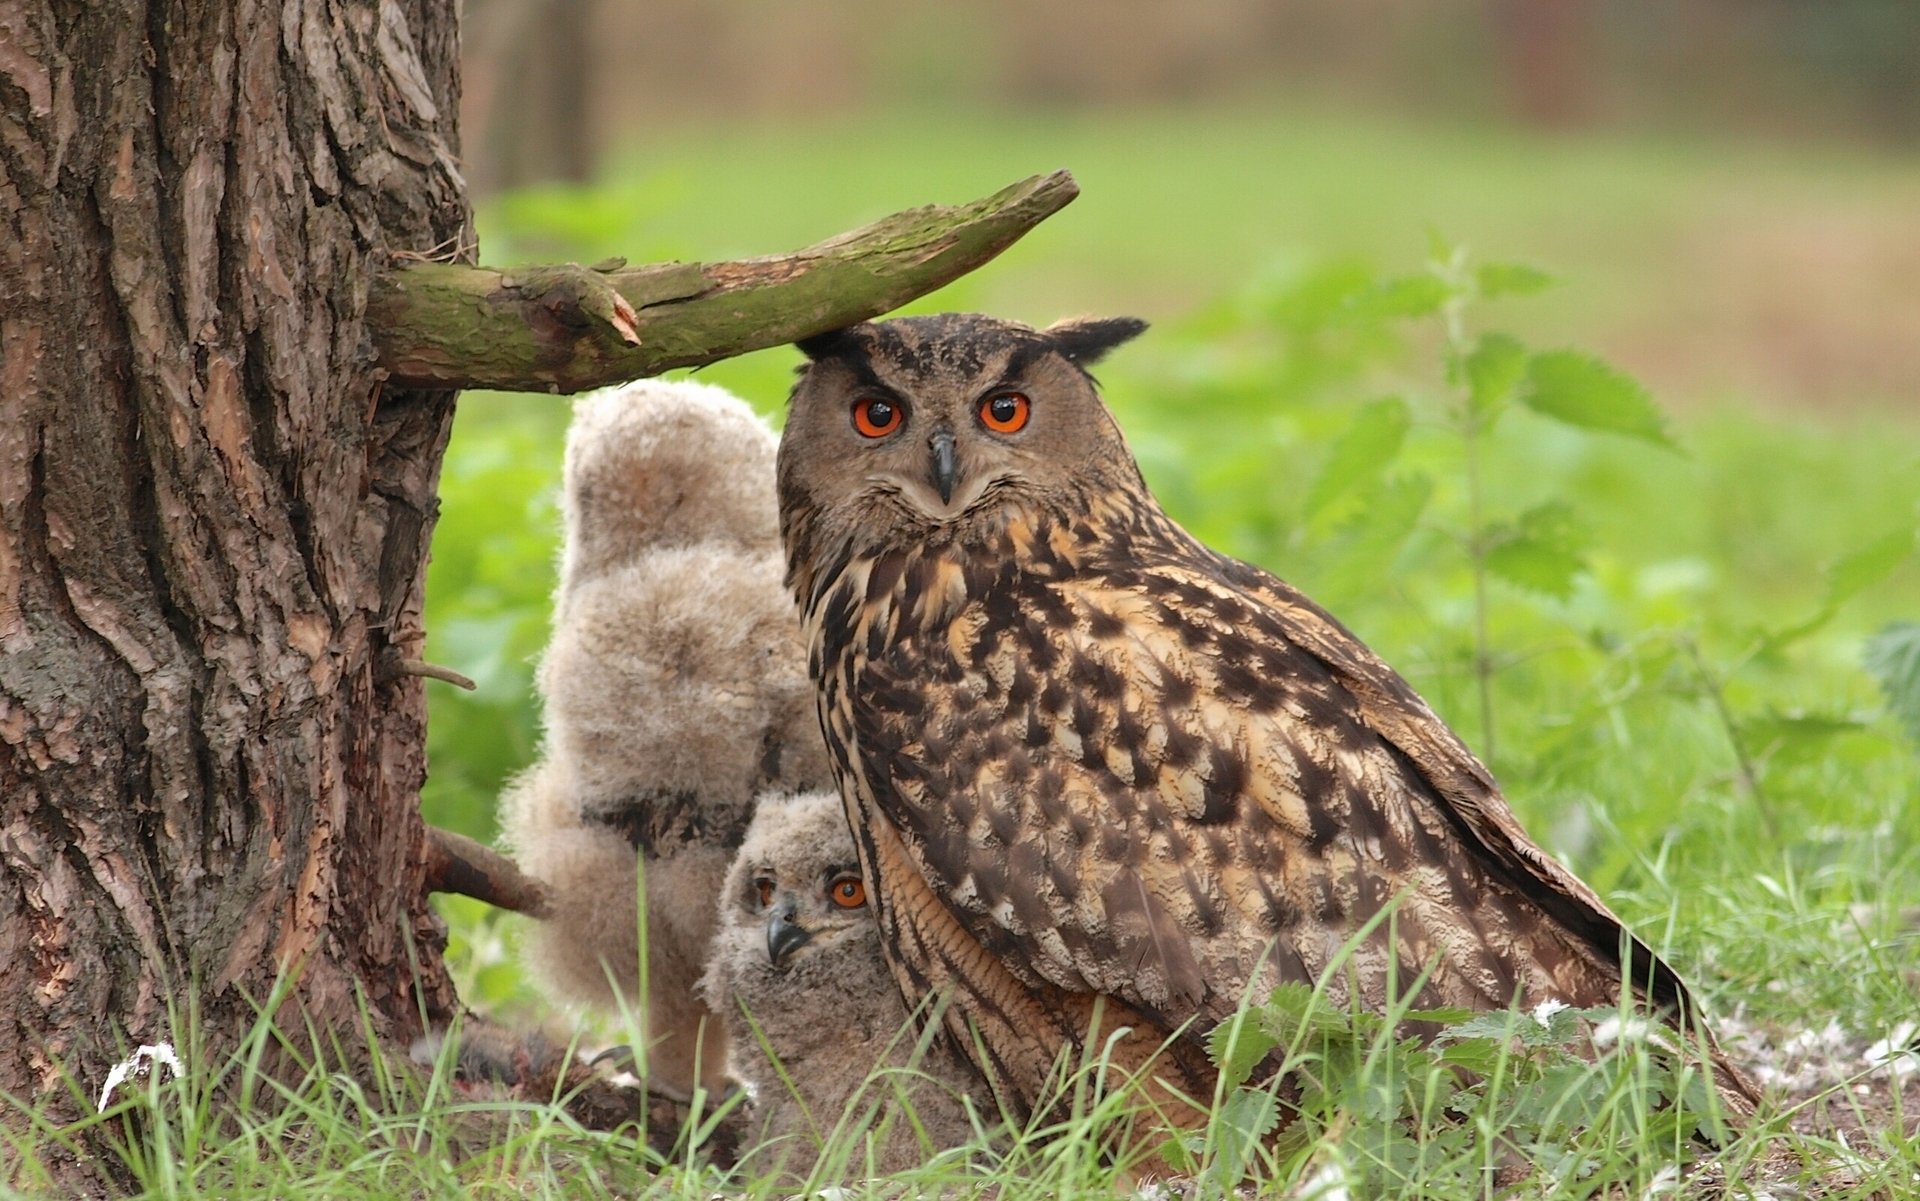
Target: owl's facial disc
940, 427
933, 474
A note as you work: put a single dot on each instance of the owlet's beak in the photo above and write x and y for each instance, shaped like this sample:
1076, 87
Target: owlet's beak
944, 469
784, 935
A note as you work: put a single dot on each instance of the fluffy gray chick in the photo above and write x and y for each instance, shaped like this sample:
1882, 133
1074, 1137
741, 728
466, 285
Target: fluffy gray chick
675, 691
818, 1028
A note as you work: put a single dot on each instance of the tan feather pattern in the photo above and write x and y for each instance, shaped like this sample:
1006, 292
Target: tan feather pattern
1086, 757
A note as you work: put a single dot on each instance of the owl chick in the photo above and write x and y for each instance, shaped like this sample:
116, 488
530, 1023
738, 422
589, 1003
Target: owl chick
675, 691
817, 1028
1096, 770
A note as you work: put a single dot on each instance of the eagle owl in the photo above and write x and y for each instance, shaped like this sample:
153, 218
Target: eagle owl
675, 691
1098, 772
816, 1026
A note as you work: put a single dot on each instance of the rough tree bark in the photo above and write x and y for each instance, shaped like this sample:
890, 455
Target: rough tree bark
217, 485
213, 519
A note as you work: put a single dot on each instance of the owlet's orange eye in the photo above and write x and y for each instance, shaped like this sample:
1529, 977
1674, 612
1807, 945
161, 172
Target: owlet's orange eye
876, 418
848, 892
1005, 412
764, 888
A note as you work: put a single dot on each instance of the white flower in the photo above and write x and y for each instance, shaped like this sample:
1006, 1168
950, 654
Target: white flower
139, 1064
1544, 1011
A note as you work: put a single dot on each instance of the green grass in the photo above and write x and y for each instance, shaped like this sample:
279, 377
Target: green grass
1726, 271
1682, 714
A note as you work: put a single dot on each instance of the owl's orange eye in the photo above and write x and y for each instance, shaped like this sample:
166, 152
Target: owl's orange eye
876, 418
848, 892
1005, 412
764, 887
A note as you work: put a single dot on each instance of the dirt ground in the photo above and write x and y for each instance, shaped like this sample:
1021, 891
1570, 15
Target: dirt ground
1850, 1093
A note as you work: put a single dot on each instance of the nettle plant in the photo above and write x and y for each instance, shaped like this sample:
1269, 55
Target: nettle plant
1404, 491
1437, 518
1559, 1097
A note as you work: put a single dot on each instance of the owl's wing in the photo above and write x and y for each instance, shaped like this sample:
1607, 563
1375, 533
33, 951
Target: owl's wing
1390, 707
1181, 782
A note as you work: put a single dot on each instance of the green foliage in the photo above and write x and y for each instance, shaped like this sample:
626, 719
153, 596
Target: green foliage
1362, 454
1586, 393
1493, 369
1587, 1097
1672, 646
488, 599
1494, 280
1539, 550
1893, 657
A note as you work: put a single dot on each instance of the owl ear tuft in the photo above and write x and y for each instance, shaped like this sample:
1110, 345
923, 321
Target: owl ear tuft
826, 344
1086, 340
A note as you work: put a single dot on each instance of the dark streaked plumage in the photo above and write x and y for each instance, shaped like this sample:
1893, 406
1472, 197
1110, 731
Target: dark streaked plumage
1091, 763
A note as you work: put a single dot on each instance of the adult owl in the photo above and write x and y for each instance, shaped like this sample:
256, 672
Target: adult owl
1099, 773
815, 1023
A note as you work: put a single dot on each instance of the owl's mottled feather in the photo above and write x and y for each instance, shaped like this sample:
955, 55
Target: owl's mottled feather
1089, 760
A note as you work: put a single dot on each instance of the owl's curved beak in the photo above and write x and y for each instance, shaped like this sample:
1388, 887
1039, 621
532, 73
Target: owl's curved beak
784, 935
944, 468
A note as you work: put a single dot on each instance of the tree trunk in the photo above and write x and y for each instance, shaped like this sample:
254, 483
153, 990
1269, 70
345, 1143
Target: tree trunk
213, 520
225, 230
543, 127
1547, 48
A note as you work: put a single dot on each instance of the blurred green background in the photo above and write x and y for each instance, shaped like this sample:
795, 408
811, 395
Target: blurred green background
1726, 194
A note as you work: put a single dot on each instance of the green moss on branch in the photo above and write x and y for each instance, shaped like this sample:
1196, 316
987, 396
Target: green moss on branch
564, 328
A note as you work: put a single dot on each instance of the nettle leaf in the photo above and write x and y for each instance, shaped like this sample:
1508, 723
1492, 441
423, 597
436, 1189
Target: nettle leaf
1797, 731
1440, 248
1567, 1094
1495, 366
1893, 658
1846, 578
1549, 1024
1237, 1130
1543, 552
1588, 393
1561, 1163
1362, 454
1511, 279
1449, 1016
1238, 1044
1293, 1013
1480, 1056
1492, 1026
1369, 542
1567, 1026
1372, 1097
1855, 573
1406, 296
1182, 1152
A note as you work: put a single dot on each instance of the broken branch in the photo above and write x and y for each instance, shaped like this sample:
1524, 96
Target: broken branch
565, 328
457, 864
